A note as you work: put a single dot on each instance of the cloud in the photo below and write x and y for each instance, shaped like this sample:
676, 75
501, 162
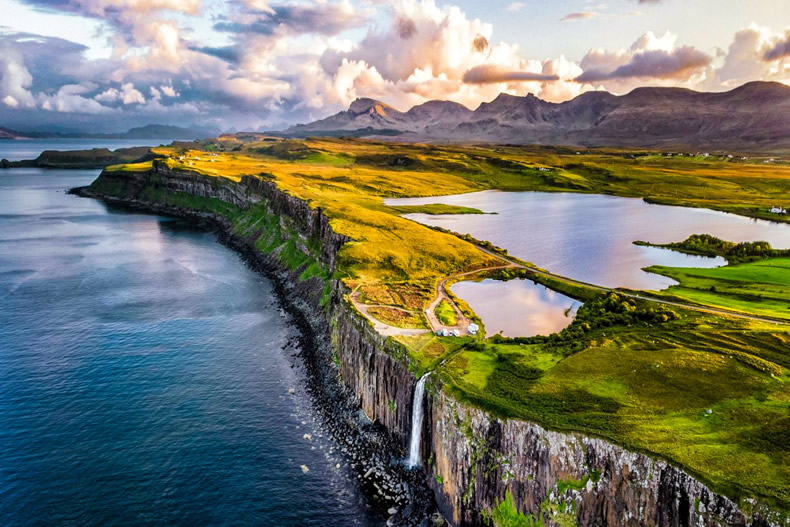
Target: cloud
485, 74
263, 63
779, 50
230, 53
15, 80
656, 64
119, 10
319, 18
169, 91
287, 61
650, 59
70, 99
405, 27
747, 59
127, 94
580, 15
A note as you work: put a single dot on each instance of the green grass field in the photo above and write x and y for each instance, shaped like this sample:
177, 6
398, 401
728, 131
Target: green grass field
641, 376
760, 288
436, 209
650, 389
446, 314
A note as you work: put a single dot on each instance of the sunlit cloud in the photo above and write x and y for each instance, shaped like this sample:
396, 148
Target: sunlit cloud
580, 15
485, 74
267, 63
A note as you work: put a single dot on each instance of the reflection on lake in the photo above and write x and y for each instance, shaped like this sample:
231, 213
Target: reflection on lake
590, 237
518, 308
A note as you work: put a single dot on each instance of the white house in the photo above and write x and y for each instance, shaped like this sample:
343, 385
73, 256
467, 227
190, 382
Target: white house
473, 328
777, 210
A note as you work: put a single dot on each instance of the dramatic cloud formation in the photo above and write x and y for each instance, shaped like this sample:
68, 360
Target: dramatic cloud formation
656, 64
259, 64
432, 52
319, 18
779, 50
755, 53
657, 59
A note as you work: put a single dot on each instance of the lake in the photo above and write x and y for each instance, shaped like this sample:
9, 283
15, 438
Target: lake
145, 374
590, 237
531, 309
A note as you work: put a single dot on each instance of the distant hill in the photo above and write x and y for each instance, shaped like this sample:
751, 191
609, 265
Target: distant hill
6, 133
157, 131
752, 118
93, 158
150, 131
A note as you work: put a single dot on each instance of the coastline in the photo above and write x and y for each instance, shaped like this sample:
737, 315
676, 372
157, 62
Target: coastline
475, 460
367, 444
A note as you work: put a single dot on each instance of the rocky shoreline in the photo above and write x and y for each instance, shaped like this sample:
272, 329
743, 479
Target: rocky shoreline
472, 461
372, 453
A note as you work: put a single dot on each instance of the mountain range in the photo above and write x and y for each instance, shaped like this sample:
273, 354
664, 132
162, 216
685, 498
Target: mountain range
150, 131
754, 117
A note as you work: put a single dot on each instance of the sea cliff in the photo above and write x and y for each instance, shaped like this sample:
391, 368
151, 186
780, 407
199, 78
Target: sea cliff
479, 467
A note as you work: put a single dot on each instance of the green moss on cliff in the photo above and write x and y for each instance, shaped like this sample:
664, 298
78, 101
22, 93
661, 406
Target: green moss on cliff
507, 515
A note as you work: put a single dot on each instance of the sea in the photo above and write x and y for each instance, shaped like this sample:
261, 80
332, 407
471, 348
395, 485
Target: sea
147, 375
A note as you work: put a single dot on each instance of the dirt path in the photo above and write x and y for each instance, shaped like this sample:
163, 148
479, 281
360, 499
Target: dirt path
463, 322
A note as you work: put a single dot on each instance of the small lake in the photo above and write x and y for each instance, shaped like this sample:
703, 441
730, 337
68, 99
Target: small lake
532, 309
590, 237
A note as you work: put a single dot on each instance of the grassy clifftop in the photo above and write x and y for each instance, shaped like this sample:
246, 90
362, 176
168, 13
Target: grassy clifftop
708, 392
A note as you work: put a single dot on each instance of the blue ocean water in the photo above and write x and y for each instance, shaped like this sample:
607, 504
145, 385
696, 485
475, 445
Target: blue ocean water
145, 375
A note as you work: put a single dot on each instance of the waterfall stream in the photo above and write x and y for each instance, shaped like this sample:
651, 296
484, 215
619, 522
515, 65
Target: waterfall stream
416, 424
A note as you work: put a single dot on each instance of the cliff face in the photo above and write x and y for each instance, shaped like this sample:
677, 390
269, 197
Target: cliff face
473, 462
560, 478
375, 370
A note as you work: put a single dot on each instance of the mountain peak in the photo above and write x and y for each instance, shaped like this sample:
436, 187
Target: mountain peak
503, 102
366, 105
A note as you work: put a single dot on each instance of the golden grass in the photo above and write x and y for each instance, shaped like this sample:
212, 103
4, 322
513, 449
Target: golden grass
386, 247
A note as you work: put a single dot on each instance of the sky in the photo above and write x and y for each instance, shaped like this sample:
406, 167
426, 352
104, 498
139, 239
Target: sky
108, 65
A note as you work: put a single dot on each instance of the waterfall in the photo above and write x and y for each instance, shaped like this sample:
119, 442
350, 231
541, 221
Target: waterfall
416, 424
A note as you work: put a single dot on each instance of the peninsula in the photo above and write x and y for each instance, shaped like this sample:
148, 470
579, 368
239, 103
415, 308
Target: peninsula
666, 408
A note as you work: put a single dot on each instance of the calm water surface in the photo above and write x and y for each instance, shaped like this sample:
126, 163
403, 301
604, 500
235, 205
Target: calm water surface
590, 237
18, 149
532, 309
144, 375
